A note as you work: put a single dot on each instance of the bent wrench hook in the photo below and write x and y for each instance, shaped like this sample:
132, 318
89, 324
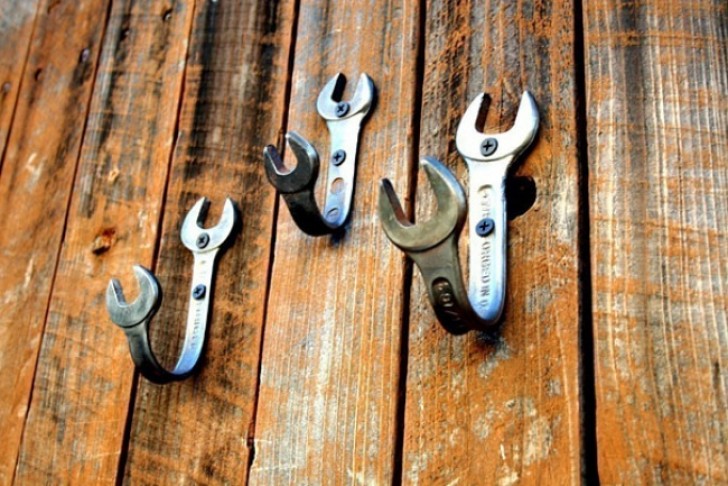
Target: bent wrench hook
134, 318
433, 244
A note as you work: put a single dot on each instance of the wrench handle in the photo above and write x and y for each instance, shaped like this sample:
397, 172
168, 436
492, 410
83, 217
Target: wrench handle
340, 181
440, 269
487, 230
198, 311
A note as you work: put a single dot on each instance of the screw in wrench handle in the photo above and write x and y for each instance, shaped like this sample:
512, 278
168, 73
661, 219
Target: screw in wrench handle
198, 311
488, 250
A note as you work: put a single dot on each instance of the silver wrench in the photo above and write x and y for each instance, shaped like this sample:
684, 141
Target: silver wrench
134, 318
489, 157
344, 120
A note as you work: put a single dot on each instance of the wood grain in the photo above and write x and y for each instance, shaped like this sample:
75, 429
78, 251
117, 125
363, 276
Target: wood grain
80, 402
331, 356
504, 413
35, 185
91, 183
235, 102
657, 101
16, 25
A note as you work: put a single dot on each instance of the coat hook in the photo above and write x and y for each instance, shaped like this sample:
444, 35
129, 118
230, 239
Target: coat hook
433, 244
344, 120
134, 318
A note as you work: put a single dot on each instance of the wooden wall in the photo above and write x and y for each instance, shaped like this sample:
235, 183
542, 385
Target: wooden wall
324, 362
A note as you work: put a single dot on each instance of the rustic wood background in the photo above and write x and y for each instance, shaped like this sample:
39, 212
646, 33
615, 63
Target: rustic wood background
324, 363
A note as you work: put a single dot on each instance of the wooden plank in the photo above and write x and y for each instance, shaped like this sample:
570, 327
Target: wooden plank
81, 392
35, 186
235, 102
657, 78
331, 356
16, 24
478, 413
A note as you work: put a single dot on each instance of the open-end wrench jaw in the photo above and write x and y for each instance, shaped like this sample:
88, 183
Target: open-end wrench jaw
302, 176
449, 219
193, 233
331, 109
144, 306
469, 139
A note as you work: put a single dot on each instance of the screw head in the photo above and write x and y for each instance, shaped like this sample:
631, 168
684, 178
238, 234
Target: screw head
338, 157
485, 227
489, 146
199, 292
85, 55
342, 108
203, 240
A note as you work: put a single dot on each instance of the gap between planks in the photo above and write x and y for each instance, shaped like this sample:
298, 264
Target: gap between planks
126, 438
280, 142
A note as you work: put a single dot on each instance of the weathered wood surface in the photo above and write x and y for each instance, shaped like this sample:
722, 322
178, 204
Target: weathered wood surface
508, 413
16, 28
35, 184
327, 408
80, 401
324, 362
235, 102
657, 101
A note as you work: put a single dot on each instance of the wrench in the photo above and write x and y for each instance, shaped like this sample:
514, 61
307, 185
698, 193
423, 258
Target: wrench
489, 157
344, 120
432, 244
134, 318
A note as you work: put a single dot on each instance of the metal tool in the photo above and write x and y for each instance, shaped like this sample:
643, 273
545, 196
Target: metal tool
433, 244
344, 120
134, 318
